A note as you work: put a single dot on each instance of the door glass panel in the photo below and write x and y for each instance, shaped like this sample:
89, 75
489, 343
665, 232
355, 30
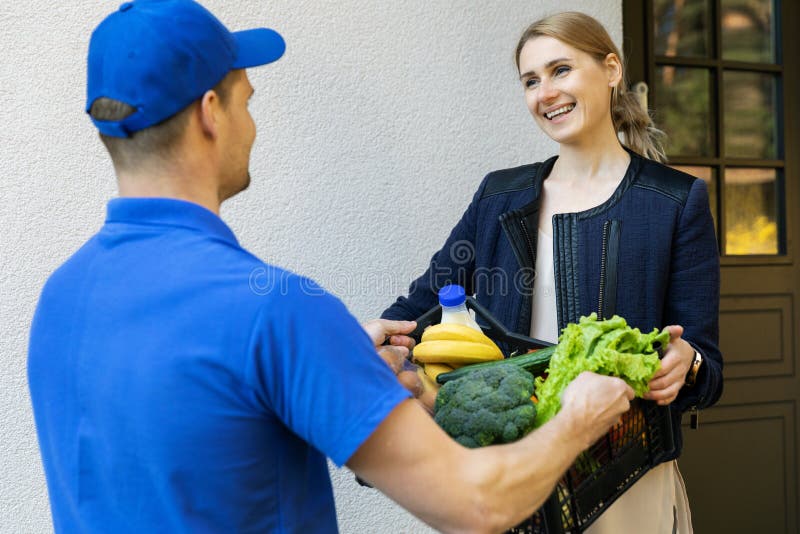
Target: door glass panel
750, 211
682, 28
683, 110
748, 30
709, 176
750, 115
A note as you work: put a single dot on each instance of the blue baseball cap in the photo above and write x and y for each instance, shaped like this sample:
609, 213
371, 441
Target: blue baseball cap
159, 56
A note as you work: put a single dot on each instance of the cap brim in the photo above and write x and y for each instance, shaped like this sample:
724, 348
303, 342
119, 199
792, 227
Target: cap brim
257, 47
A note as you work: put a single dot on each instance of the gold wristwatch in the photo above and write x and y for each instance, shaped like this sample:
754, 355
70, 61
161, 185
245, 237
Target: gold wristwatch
691, 376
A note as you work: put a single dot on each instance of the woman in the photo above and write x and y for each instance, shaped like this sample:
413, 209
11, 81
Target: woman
602, 227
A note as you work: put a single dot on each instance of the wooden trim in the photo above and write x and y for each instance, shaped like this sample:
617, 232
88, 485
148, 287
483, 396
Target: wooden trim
634, 46
754, 260
719, 139
788, 16
752, 67
713, 63
719, 99
650, 64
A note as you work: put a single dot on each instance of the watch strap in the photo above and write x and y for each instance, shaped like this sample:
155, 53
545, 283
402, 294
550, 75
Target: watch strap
691, 375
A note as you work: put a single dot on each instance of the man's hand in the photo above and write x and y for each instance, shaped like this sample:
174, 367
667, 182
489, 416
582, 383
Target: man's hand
395, 354
380, 329
668, 381
594, 403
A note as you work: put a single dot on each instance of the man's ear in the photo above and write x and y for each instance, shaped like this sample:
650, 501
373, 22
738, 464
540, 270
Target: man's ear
209, 113
614, 67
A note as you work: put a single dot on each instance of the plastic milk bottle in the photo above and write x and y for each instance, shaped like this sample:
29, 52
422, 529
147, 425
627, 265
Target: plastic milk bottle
454, 311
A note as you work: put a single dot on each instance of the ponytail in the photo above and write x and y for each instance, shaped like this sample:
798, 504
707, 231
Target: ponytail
636, 126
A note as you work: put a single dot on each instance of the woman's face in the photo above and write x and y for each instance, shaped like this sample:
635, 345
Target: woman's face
567, 91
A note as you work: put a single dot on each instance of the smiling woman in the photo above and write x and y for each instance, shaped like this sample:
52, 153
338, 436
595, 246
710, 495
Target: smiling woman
602, 227
573, 41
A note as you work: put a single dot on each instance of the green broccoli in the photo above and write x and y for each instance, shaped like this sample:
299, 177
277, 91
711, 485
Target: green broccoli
487, 406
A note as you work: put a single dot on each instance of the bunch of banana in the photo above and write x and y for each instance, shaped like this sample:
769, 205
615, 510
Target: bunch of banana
447, 346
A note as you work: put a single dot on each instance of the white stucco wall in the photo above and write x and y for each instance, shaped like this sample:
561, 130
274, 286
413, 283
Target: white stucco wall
374, 131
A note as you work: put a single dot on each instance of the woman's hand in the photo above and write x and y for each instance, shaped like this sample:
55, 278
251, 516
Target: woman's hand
678, 357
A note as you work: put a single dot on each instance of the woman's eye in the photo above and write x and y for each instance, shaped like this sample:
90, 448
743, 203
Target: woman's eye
562, 70
531, 82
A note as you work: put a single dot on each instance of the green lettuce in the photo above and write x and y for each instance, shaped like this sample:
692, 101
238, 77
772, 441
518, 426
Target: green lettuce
608, 347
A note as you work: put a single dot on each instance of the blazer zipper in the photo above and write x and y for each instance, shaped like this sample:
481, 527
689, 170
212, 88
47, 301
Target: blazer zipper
603, 266
528, 240
519, 236
505, 220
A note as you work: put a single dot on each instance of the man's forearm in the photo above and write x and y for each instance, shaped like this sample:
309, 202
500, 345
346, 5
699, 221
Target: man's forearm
455, 489
512, 481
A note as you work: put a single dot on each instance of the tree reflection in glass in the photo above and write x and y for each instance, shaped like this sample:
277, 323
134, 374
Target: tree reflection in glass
682, 28
747, 31
750, 115
683, 110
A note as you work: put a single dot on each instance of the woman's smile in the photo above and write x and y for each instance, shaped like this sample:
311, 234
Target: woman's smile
559, 113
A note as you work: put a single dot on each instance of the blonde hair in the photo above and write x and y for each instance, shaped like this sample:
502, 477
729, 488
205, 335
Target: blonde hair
584, 33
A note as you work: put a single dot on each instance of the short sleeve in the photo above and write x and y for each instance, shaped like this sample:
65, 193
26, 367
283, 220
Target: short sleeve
316, 369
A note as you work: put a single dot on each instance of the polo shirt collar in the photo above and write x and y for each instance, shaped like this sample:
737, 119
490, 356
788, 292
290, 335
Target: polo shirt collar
168, 212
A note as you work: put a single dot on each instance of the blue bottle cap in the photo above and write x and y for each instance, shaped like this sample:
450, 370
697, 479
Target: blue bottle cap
452, 295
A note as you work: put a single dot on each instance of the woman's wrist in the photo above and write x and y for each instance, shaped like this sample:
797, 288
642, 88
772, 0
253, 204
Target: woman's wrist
694, 369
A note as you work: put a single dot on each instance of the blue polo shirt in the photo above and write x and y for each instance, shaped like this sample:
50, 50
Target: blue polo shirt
179, 384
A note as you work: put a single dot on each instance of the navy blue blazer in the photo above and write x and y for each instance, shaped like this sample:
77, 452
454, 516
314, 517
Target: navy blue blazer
648, 253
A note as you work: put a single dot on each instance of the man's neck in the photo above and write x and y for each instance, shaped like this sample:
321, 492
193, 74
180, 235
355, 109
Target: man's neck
170, 184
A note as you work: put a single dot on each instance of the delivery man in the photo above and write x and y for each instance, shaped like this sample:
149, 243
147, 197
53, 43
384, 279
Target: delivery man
172, 396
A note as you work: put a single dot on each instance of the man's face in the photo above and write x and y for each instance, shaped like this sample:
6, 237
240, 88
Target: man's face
240, 134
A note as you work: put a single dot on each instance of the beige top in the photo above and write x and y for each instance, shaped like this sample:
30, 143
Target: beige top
544, 316
655, 504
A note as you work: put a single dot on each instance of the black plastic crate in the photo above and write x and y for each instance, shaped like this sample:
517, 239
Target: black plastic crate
640, 441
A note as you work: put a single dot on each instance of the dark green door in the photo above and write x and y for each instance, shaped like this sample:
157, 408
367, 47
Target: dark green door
723, 84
